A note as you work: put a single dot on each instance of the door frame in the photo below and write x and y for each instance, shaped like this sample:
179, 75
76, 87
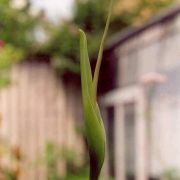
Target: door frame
117, 98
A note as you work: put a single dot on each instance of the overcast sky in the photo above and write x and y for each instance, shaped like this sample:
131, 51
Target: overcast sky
55, 8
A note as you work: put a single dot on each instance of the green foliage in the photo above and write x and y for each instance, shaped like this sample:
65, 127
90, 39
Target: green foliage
171, 174
16, 25
8, 56
16, 41
9, 175
52, 156
141, 10
62, 64
90, 15
82, 174
12, 154
63, 46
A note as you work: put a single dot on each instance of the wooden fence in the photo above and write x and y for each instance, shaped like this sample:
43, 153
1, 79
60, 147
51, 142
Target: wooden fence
37, 108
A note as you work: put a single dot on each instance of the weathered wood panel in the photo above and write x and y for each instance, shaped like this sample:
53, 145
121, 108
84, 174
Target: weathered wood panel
36, 109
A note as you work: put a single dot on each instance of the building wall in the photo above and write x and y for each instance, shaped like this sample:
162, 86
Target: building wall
165, 146
36, 109
155, 50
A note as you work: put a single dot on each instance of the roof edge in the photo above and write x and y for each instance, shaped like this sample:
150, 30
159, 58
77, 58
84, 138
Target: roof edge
121, 37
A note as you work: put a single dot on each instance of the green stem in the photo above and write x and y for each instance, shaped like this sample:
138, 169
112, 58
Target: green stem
99, 59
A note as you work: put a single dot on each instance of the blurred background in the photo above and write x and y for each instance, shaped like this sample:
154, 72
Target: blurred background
41, 119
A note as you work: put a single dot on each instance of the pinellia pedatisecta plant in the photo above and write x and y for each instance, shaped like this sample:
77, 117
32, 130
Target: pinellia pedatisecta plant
94, 128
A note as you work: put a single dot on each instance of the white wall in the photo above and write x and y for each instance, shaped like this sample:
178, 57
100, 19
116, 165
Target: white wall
157, 50
165, 147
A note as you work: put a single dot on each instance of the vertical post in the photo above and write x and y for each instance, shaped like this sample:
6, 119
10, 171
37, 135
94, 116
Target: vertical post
105, 171
141, 138
119, 143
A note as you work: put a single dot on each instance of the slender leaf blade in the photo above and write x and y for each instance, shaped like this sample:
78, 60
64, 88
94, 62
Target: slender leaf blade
93, 122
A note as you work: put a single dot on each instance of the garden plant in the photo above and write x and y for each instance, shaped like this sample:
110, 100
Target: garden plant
94, 128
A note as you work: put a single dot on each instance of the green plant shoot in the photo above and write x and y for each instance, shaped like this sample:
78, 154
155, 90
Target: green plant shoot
94, 127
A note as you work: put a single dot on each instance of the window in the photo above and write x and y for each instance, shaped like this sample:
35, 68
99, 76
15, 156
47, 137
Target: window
128, 68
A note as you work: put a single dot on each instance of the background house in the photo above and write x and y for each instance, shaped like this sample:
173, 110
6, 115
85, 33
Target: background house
142, 105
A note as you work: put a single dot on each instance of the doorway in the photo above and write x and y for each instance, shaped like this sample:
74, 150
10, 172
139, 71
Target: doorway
126, 108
